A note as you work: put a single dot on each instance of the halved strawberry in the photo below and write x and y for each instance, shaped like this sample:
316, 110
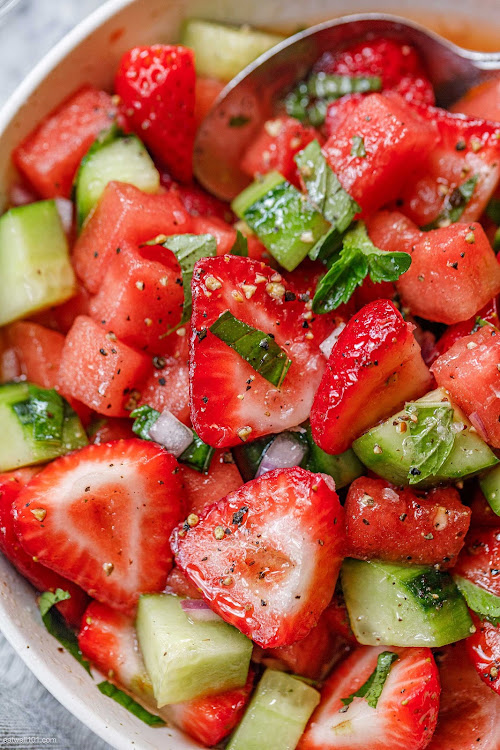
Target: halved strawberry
102, 517
405, 715
203, 489
479, 561
469, 714
374, 367
483, 647
179, 584
267, 556
232, 402
41, 577
156, 86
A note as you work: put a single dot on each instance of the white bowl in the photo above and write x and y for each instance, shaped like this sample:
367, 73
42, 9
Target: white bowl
90, 54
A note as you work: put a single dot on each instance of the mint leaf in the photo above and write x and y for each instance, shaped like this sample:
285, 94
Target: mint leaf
259, 349
144, 418
482, 602
240, 246
454, 205
348, 268
358, 146
431, 438
308, 102
125, 700
56, 624
371, 690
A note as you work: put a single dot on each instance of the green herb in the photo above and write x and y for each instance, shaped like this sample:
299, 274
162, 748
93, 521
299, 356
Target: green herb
371, 690
431, 438
56, 624
259, 349
198, 455
454, 205
188, 249
358, 146
309, 100
238, 121
44, 409
240, 246
348, 268
485, 604
144, 418
106, 688
493, 210
326, 194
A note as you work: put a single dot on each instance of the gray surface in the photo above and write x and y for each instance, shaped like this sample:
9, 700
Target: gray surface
29, 716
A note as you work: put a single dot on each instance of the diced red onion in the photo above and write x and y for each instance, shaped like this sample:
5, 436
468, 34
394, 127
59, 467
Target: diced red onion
478, 423
65, 211
327, 345
198, 611
285, 451
171, 433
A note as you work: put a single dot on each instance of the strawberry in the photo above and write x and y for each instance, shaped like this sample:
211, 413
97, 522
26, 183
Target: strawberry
405, 715
374, 367
479, 561
396, 62
203, 489
93, 511
232, 402
113, 428
337, 617
42, 578
267, 556
179, 584
455, 332
156, 86
483, 647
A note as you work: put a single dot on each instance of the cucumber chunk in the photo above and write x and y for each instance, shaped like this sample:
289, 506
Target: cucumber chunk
35, 270
29, 437
344, 468
479, 600
490, 486
403, 605
277, 714
187, 659
222, 51
113, 157
388, 452
284, 221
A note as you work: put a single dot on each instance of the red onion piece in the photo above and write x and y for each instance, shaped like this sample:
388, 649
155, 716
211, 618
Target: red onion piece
285, 451
65, 211
171, 433
327, 345
478, 423
198, 611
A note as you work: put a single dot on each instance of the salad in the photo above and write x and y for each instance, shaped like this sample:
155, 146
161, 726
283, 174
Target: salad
250, 452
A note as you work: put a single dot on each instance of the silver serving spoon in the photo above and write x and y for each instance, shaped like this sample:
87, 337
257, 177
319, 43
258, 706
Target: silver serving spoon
251, 98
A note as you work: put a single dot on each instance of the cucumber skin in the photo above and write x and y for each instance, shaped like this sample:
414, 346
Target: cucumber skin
344, 468
255, 192
490, 486
392, 604
277, 714
393, 464
484, 603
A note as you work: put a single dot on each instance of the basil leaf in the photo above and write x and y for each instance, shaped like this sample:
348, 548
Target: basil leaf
371, 690
324, 189
56, 624
454, 205
259, 349
125, 700
240, 246
188, 249
349, 267
431, 438
358, 146
485, 604
144, 418
198, 455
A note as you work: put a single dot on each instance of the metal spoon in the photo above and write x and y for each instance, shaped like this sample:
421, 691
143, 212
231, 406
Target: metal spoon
251, 98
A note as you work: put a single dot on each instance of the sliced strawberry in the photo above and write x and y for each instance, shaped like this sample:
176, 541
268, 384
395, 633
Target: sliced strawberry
203, 489
267, 556
406, 711
95, 509
483, 647
396, 62
232, 402
374, 367
178, 583
469, 715
337, 617
157, 89
479, 561
478, 354
403, 525
42, 578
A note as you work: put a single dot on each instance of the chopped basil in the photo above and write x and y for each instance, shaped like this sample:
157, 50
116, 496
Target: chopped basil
309, 100
348, 268
259, 349
485, 604
371, 690
56, 624
198, 455
45, 410
358, 146
325, 192
188, 249
454, 205
240, 246
125, 700
144, 418
430, 439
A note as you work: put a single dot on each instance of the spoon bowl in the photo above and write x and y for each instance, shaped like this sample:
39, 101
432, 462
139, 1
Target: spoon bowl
252, 97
